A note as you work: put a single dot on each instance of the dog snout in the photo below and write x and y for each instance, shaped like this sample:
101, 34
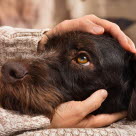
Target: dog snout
13, 71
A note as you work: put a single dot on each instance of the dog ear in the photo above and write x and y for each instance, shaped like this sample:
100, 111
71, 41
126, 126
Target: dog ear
132, 103
42, 42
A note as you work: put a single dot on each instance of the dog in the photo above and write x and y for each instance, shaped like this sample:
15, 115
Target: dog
71, 66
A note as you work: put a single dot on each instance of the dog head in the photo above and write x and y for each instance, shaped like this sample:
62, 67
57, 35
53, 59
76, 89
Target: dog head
70, 67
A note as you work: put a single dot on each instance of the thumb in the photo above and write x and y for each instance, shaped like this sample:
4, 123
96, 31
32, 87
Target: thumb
94, 101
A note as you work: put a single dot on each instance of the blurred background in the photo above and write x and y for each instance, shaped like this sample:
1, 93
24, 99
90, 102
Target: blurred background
47, 13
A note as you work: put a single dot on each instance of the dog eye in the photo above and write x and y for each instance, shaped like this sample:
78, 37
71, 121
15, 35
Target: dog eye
83, 60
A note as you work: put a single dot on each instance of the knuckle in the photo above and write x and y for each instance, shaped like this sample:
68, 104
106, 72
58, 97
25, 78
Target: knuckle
73, 103
96, 106
116, 26
92, 15
62, 25
65, 21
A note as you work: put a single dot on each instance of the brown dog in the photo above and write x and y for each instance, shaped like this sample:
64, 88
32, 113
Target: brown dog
71, 67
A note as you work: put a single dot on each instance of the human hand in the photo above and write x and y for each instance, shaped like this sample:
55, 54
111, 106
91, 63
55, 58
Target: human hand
75, 113
91, 24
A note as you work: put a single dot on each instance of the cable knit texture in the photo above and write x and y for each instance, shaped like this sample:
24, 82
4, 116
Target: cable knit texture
17, 41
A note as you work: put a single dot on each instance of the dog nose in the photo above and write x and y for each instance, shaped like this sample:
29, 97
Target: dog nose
13, 71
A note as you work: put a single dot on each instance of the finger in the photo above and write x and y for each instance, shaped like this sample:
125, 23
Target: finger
76, 25
102, 120
115, 31
42, 42
93, 102
86, 25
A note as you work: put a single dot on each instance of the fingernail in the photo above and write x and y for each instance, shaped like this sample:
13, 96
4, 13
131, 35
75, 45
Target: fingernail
97, 29
104, 93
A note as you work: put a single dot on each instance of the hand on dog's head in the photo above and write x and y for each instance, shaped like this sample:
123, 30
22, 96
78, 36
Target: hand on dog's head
71, 67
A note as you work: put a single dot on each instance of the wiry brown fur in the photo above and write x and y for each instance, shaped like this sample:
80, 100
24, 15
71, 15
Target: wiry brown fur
54, 76
25, 97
